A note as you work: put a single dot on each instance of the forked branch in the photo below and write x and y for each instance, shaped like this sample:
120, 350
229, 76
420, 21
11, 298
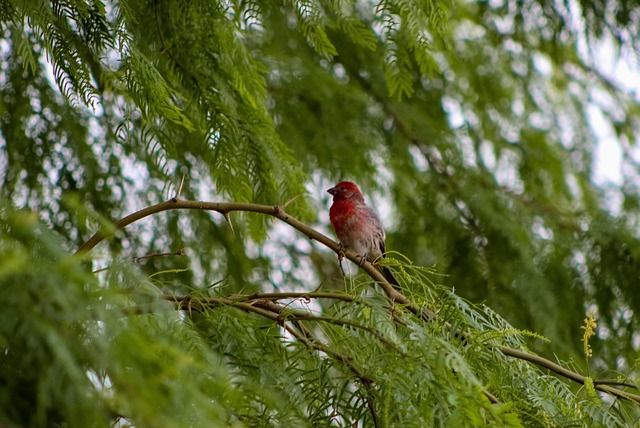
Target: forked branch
244, 302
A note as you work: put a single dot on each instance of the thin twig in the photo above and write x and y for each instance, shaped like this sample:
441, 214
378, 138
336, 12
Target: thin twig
613, 382
179, 192
179, 252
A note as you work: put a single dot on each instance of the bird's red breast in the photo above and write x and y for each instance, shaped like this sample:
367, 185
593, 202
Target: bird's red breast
347, 201
341, 213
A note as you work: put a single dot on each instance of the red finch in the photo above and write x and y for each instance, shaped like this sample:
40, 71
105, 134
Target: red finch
357, 225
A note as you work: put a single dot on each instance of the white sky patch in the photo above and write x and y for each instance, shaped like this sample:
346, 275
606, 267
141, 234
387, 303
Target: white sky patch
542, 64
608, 157
454, 112
617, 66
419, 160
380, 200
488, 155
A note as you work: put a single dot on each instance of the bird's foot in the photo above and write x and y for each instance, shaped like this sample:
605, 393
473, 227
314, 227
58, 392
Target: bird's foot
363, 259
341, 249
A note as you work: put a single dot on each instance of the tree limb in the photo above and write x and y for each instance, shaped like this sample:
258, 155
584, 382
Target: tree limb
558, 369
277, 211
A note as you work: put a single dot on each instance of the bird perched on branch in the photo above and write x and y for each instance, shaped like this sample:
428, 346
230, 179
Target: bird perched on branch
357, 225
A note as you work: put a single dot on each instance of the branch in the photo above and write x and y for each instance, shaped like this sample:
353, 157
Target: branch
614, 382
277, 211
558, 369
179, 252
273, 311
300, 295
265, 301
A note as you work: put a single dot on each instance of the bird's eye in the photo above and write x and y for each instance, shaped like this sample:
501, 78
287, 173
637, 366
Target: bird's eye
342, 188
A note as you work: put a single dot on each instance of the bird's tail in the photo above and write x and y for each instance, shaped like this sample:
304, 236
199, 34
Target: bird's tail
388, 275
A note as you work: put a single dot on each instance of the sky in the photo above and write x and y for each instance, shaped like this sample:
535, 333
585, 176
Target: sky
621, 70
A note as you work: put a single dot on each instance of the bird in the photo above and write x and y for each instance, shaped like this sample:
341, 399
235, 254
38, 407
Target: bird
358, 226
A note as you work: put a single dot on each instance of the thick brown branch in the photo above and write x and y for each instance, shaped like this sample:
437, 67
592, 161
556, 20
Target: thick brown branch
278, 212
275, 211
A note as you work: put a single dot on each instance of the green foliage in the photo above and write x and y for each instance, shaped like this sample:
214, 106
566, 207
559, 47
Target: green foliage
477, 123
89, 349
72, 355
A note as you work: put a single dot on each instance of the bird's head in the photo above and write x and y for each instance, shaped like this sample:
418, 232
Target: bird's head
346, 190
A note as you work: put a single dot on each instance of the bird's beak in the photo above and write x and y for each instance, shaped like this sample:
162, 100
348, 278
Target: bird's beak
332, 191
